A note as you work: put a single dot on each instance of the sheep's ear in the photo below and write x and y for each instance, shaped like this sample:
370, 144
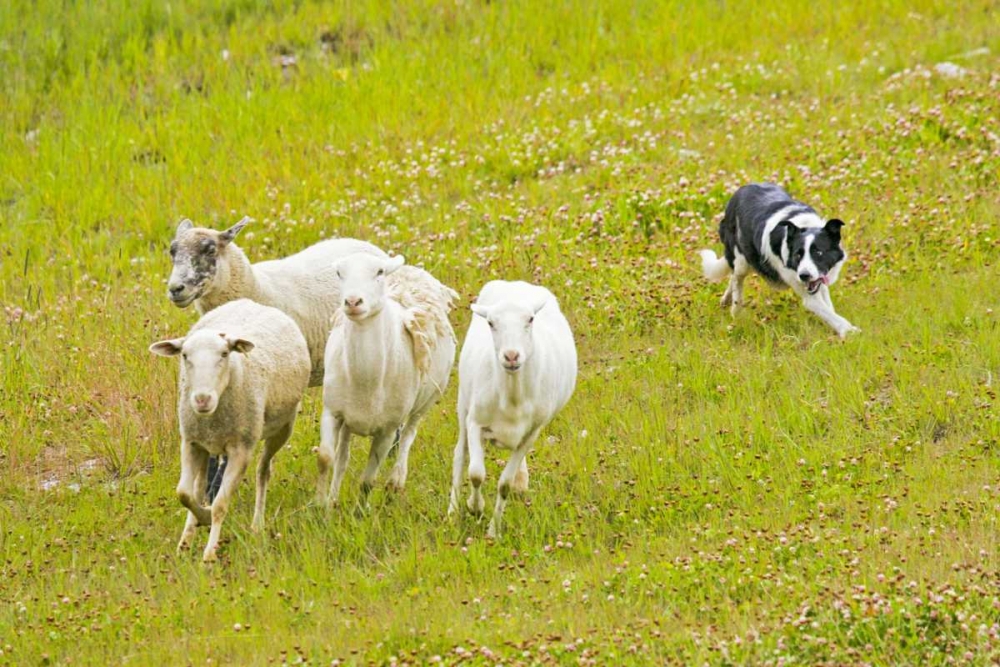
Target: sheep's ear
241, 345
227, 236
538, 306
394, 263
184, 225
167, 348
482, 311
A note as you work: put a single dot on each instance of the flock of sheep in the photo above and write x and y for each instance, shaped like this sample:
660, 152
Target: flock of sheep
376, 334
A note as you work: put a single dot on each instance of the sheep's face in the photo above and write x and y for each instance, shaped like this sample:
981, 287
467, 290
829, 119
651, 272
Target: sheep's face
362, 283
195, 253
511, 325
205, 365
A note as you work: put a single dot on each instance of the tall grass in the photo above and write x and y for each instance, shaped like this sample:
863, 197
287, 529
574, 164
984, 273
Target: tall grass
718, 491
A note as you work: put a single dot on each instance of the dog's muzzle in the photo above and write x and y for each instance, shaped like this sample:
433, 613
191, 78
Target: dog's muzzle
814, 285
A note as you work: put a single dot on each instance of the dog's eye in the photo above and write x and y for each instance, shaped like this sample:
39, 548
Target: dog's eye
819, 253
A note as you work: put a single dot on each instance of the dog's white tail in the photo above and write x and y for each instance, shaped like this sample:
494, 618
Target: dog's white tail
715, 268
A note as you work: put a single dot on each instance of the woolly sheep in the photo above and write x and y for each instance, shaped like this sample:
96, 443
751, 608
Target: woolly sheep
388, 359
244, 369
517, 369
210, 270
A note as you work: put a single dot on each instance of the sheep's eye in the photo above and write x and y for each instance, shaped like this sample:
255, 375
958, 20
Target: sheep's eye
225, 354
184, 356
381, 272
531, 319
492, 326
173, 250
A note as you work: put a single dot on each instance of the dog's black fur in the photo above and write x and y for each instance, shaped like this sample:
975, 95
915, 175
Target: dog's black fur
742, 229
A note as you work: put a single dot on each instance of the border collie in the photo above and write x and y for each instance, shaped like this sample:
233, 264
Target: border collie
786, 242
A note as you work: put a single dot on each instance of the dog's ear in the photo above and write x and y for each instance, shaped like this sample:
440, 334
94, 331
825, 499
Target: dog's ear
790, 229
833, 226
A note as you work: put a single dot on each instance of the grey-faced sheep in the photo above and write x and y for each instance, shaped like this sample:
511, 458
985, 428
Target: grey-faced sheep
210, 270
244, 368
516, 371
388, 359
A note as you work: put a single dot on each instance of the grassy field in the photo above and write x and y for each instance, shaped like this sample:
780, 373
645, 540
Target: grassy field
718, 491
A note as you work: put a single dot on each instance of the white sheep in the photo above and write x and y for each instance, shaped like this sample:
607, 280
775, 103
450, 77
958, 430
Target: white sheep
244, 369
210, 270
517, 369
388, 359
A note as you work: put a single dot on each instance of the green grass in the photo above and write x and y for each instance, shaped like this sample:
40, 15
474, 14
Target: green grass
717, 491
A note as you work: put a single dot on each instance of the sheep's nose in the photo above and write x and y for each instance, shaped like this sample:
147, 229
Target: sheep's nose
511, 356
353, 302
202, 400
175, 290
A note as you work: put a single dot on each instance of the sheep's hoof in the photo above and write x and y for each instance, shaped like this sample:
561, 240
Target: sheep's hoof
727, 299
396, 481
362, 508
257, 527
476, 504
520, 483
325, 500
492, 533
847, 331
735, 310
210, 556
453, 505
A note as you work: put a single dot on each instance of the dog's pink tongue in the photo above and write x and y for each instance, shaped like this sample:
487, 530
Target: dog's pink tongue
826, 280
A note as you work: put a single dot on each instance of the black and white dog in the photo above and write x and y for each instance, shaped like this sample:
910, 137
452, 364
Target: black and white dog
783, 240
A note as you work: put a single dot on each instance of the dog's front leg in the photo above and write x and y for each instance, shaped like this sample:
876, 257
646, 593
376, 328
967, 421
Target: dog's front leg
821, 305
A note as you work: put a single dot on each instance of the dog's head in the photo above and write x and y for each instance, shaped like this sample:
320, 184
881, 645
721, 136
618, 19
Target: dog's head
813, 253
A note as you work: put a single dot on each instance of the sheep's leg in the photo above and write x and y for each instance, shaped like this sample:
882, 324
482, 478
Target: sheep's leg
397, 478
343, 451
381, 444
271, 446
236, 466
507, 480
191, 490
327, 455
192, 522
520, 483
458, 462
477, 467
